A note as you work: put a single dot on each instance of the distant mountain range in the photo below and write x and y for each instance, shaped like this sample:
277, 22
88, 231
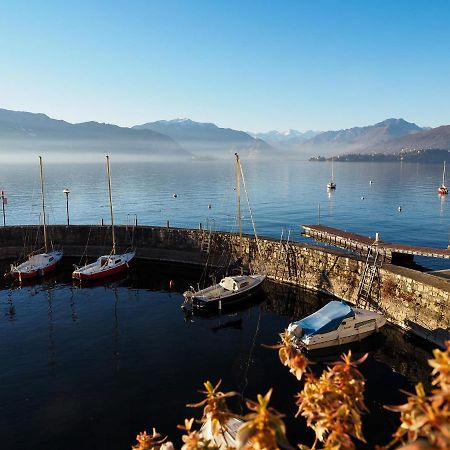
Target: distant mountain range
207, 140
286, 140
29, 132
185, 139
370, 139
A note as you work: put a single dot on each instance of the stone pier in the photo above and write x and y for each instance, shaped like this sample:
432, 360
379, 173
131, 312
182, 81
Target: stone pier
413, 300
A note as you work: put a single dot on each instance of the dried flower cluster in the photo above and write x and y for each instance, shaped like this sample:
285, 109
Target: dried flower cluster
332, 405
264, 428
151, 442
427, 417
290, 356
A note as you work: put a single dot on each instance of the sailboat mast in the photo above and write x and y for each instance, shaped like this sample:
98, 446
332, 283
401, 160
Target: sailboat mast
332, 169
443, 176
238, 198
43, 205
108, 169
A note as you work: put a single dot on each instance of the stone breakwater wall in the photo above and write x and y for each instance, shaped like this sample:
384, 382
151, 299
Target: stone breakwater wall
412, 300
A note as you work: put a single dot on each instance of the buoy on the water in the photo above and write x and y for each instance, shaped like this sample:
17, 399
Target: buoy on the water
175, 196
399, 209
171, 284
209, 206
370, 182
362, 198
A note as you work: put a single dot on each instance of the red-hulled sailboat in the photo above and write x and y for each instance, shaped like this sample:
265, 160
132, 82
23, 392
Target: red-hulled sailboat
37, 264
106, 265
443, 189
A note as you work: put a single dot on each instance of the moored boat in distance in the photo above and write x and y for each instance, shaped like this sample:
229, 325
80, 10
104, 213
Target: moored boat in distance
106, 265
443, 189
335, 324
41, 263
331, 184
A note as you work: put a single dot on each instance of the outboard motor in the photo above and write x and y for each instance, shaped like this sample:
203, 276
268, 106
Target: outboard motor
295, 329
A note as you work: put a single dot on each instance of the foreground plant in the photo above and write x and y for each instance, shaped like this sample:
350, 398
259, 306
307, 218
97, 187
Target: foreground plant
334, 403
425, 419
152, 442
215, 406
264, 428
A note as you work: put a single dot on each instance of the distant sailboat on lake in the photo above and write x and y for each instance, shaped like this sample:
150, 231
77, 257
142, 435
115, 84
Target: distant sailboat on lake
332, 184
443, 189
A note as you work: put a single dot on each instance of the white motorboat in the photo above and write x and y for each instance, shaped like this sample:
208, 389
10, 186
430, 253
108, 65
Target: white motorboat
38, 264
227, 291
224, 439
106, 265
335, 324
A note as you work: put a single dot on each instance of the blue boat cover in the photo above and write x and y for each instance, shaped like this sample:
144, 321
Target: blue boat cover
326, 319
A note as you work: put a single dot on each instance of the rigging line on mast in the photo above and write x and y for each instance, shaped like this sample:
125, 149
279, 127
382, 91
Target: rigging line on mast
249, 208
43, 204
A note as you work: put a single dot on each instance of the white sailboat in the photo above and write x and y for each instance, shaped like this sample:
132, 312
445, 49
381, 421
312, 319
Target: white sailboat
331, 184
443, 189
110, 264
335, 324
231, 288
41, 263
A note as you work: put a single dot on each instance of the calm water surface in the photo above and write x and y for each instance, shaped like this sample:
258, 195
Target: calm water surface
90, 368
282, 194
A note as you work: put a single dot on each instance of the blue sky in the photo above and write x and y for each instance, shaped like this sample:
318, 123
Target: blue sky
250, 65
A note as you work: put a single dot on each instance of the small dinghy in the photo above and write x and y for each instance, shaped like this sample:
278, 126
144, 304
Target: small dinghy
335, 324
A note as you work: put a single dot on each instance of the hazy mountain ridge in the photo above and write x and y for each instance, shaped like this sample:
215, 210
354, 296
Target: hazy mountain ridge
184, 138
207, 140
289, 140
24, 131
368, 139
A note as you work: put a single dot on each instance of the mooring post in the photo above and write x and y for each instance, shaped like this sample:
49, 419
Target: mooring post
4, 201
168, 224
102, 223
200, 226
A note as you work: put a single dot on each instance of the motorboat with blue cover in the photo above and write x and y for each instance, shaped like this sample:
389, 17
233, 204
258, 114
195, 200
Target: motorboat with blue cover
335, 324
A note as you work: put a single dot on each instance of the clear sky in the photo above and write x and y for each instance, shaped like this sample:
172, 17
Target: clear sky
246, 64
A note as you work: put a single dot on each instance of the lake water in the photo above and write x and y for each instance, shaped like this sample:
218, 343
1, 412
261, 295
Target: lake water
90, 368
283, 195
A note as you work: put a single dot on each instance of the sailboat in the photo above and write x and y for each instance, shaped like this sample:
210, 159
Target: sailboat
443, 189
41, 263
332, 184
110, 264
230, 288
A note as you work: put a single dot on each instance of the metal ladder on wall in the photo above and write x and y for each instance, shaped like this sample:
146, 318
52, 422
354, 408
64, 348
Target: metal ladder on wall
368, 276
207, 236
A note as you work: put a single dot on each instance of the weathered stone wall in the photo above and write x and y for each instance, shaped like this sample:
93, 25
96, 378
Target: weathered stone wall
411, 299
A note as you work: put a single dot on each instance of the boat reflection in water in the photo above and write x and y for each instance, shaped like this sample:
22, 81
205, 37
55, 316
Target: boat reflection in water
105, 360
